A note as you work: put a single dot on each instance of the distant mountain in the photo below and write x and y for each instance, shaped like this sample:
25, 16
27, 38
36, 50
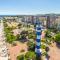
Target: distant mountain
51, 14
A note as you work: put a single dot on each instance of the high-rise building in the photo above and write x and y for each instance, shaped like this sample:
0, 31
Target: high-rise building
58, 22
28, 19
43, 20
51, 21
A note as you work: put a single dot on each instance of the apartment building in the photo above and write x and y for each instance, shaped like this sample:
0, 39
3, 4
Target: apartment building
10, 18
29, 19
58, 22
43, 20
51, 21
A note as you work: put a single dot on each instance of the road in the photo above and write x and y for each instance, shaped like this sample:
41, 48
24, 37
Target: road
3, 46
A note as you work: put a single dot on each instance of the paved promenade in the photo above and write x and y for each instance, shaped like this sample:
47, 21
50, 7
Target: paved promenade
54, 52
3, 48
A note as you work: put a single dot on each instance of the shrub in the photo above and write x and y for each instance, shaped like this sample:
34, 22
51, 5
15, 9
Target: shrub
11, 38
21, 57
30, 55
22, 50
14, 43
31, 45
43, 46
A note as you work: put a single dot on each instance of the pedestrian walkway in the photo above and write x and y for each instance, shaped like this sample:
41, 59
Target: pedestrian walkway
54, 52
3, 48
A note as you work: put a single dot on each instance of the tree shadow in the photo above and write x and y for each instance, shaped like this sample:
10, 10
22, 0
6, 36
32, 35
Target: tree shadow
38, 57
47, 49
23, 40
47, 57
58, 45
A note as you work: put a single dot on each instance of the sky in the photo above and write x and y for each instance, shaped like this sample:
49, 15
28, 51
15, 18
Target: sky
17, 7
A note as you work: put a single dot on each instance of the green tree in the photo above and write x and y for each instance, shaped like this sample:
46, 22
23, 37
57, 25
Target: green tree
48, 34
32, 35
19, 25
30, 56
43, 46
31, 45
7, 30
21, 57
11, 38
57, 38
23, 36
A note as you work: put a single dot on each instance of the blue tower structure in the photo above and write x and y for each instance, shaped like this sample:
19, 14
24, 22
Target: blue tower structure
38, 38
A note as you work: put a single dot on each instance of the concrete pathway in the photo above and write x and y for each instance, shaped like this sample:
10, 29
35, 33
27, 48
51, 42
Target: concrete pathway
3, 47
54, 52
